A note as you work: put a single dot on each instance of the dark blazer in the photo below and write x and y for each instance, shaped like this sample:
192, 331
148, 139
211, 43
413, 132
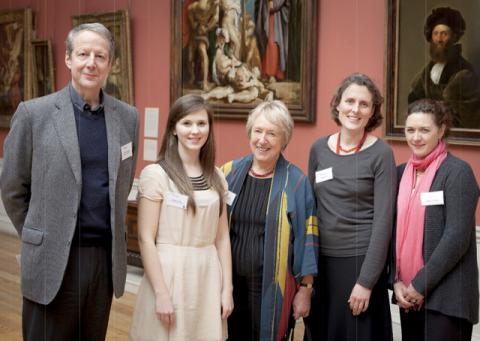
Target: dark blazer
449, 279
41, 186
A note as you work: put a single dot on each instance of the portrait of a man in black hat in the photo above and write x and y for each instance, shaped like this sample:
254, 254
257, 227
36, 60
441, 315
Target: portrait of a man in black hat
448, 76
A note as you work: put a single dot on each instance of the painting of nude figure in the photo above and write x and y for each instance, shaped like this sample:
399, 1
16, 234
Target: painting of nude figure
237, 53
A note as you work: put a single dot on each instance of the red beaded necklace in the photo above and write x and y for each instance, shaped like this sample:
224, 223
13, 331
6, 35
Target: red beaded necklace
354, 149
265, 175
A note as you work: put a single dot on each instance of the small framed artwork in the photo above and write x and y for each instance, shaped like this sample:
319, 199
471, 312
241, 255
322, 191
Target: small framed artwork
237, 53
15, 62
42, 68
433, 51
120, 80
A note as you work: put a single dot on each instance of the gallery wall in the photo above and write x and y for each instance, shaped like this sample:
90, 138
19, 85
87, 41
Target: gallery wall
351, 37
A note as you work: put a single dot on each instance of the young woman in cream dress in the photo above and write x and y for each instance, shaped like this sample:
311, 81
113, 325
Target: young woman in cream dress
186, 293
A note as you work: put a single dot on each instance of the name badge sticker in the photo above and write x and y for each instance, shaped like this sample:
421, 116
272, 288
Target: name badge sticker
324, 175
230, 198
431, 198
176, 200
126, 151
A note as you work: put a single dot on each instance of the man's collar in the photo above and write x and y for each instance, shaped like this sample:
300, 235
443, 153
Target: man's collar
79, 102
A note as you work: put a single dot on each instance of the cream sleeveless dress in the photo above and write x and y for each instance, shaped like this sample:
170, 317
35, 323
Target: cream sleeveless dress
190, 266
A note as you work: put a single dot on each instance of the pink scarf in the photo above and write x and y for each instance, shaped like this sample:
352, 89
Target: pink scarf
411, 213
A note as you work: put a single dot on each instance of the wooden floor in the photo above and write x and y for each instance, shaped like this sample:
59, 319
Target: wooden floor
11, 300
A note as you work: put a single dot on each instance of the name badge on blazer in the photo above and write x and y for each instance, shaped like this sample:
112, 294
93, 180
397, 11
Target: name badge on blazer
324, 175
230, 198
431, 198
126, 151
176, 200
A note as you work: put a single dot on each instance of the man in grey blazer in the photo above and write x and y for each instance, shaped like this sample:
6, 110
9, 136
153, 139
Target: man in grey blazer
69, 163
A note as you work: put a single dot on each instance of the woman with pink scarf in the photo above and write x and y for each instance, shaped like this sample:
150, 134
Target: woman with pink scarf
435, 268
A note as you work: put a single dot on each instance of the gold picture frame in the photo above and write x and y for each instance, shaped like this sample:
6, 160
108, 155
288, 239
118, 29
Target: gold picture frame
43, 82
120, 80
15, 62
256, 72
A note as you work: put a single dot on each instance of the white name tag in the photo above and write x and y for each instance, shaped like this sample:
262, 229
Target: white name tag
324, 175
431, 198
126, 151
230, 197
176, 200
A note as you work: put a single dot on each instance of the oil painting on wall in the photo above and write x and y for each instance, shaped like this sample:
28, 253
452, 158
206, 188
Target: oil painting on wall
236, 53
43, 81
15, 63
433, 51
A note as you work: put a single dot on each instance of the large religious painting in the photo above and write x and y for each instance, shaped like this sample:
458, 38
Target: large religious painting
120, 80
237, 53
15, 63
433, 51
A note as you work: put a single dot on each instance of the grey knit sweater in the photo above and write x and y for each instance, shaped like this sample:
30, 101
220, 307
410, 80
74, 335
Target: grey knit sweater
355, 208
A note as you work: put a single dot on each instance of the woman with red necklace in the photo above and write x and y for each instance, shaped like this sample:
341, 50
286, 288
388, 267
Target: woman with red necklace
354, 180
273, 231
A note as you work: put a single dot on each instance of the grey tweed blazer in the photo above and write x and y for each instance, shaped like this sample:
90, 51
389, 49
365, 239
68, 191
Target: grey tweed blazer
449, 279
41, 186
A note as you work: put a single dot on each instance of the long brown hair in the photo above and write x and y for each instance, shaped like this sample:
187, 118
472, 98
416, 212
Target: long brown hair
170, 160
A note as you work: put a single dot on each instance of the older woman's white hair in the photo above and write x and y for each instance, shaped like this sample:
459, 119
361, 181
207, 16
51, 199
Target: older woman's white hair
276, 112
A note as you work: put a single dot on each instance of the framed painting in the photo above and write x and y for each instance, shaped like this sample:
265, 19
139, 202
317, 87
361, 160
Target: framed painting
42, 68
120, 80
237, 53
433, 51
15, 63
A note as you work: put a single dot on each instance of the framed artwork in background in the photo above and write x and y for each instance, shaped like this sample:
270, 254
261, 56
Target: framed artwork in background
420, 66
43, 73
237, 53
15, 61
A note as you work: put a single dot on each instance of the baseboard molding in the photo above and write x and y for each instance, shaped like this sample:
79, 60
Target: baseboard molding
134, 277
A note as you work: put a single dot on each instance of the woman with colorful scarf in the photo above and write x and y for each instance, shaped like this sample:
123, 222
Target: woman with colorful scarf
435, 268
273, 231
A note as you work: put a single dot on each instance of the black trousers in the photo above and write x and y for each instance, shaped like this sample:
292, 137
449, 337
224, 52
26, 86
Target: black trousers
244, 323
81, 309
429, 325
